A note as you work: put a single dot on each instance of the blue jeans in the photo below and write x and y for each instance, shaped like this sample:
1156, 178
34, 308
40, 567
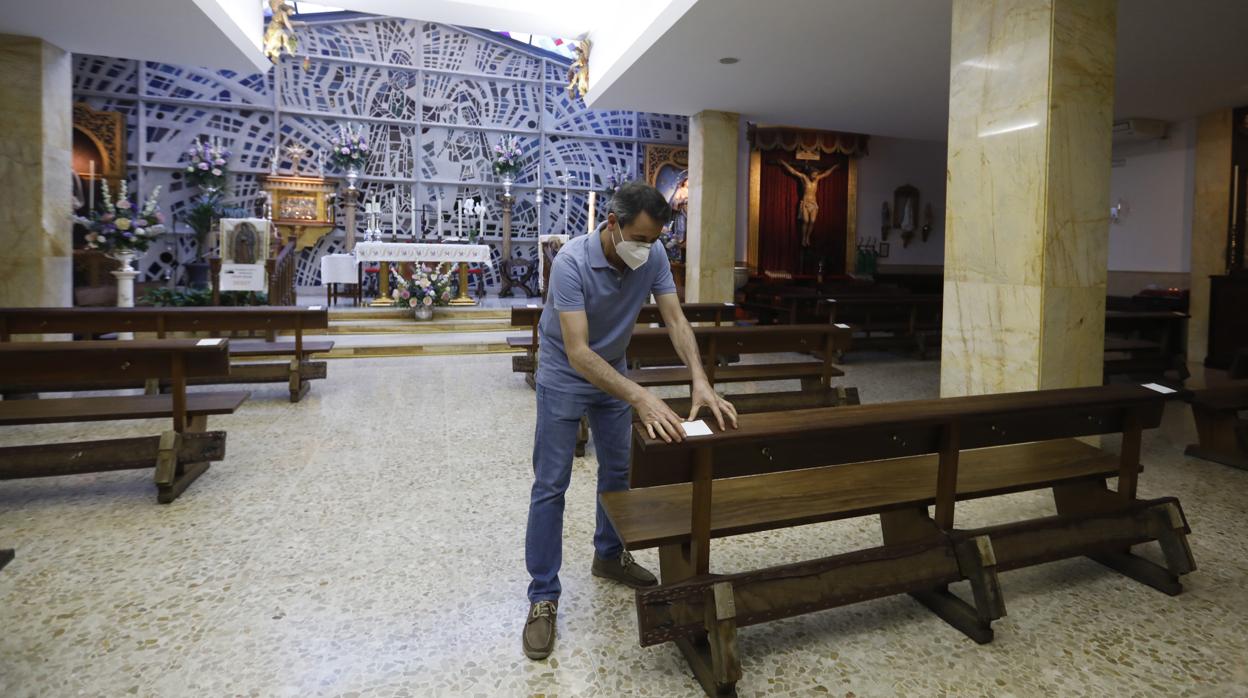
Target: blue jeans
558, 416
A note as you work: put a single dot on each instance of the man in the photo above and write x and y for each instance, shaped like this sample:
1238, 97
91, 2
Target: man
598, 283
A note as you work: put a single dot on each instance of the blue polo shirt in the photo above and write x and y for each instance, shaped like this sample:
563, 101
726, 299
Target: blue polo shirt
581, 278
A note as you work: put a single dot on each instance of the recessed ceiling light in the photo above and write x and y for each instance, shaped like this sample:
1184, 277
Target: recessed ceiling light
729, 60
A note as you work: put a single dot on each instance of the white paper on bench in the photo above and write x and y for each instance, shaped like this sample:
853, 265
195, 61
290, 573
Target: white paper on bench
532, 305
314, 307
697, 428
1159, 388
209, 342
842, 325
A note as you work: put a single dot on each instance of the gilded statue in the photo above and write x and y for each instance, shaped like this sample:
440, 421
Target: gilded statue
279, 35
808, 208
578, 72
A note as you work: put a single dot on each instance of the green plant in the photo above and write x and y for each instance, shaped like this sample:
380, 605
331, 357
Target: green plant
166, 297
201, 217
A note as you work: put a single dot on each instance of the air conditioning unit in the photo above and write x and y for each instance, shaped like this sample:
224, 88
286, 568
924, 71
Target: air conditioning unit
1128, 130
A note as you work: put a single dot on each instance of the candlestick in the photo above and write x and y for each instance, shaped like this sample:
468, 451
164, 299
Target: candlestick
438, 230
459, 207
91, 187
394, 214
593, 197
481, 214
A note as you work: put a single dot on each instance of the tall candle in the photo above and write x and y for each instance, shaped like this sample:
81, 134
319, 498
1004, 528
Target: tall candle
459, 207
481, 210
394, 214
593, 198
91, 187
438, 230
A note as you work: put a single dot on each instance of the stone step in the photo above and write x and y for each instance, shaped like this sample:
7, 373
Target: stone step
412, 326
377, 345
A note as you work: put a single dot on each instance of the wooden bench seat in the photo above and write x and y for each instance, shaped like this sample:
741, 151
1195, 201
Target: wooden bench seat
528, 316
179, 454
112, 408
1222, 434
894, 461
802, 370
660, 515
248, 348
214, 321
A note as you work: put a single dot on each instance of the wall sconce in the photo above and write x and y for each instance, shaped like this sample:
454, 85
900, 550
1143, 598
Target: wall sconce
1117, 211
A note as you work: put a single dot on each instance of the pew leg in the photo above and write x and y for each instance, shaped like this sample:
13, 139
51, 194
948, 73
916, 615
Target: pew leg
151, 386
810, 385
298, 386
712, 655
582, 436
173, 477
1166, 525
1223, 438
976, 563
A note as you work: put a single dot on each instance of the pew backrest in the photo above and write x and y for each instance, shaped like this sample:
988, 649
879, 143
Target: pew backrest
162, 320
528, 315
32, 363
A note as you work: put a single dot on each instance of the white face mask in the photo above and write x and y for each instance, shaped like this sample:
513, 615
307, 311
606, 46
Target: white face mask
633, 253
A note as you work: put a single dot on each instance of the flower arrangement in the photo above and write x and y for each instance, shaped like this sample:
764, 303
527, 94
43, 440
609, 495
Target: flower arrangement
348, 150
507, 154
206, 165
119, 227
427, 288
673, 244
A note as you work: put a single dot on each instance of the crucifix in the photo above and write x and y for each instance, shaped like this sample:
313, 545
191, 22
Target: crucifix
808, 208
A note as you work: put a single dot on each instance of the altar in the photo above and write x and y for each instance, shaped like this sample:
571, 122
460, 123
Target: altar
419, 252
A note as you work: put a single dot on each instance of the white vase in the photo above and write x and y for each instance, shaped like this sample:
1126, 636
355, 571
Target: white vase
423, 312
353, 174
125, 259
508, 180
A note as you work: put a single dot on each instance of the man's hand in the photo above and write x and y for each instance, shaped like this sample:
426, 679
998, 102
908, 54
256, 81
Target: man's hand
704, 395
660, 420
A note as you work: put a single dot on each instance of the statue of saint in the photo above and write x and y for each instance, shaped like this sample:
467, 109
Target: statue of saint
808, 208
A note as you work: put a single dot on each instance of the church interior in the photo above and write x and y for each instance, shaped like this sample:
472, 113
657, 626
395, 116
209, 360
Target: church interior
285, 289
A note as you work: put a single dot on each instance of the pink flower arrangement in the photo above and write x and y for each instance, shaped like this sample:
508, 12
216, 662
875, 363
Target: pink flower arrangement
348, 149
426, 287
205, 165
506, 159
118, 227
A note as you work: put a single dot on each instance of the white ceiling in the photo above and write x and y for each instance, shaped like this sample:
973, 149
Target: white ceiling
565, 19
216, 33
882, 66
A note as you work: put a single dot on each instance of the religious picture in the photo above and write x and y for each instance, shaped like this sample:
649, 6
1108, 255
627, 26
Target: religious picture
667, 169
244, 240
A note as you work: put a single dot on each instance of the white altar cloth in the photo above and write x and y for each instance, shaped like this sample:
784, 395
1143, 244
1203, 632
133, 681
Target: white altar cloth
421, 252
339, 269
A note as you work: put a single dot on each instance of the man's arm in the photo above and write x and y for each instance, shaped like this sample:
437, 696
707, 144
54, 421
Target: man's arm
659, 419
686, 346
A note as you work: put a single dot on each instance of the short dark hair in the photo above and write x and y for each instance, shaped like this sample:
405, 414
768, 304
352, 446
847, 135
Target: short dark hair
634, 197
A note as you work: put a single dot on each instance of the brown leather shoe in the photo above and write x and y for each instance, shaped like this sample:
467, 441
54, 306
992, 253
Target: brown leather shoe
539, 629
625, 570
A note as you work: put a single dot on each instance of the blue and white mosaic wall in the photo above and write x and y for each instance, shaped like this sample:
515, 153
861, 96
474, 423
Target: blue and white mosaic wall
432, 99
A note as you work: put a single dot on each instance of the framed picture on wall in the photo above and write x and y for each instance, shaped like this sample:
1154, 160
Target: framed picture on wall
883, 250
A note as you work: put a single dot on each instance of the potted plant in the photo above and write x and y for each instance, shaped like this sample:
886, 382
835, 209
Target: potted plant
425, 290
120, 230
506, 161
348, 152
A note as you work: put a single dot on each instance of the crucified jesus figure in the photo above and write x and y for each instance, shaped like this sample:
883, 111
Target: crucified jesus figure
808, 208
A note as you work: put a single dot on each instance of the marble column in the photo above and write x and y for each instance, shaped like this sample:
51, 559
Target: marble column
711, 240
36, 239
1027, 221
1211, 215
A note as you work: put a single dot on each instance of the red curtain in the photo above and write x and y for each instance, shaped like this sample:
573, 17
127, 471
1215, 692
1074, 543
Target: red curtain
779, 233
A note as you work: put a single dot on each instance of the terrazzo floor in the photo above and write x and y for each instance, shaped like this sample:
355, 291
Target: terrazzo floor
368, 542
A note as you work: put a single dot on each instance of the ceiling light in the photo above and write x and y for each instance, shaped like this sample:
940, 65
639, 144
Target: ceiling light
729, 60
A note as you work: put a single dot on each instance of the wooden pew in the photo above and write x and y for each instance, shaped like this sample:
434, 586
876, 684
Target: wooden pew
907, 319
528, 316
1222, 433
6, 556
89, 322
652, 344
180, 454
784, 469
1146, 343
